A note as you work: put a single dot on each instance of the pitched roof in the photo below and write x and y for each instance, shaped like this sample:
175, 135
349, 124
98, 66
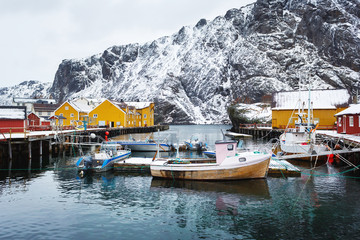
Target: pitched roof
353, 109
321, 99
40, 107
84, 104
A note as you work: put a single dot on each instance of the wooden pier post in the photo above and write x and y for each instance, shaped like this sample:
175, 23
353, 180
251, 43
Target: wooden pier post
40, 147
29, 146
10, 150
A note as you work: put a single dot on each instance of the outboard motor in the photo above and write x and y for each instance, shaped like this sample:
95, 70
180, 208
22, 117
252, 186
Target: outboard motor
87, 162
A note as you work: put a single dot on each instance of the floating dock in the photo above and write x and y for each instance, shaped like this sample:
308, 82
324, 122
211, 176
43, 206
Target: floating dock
277, 168
282, 168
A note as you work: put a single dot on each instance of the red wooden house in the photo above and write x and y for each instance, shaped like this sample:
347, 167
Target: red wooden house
348, 120
13, 119
34, 120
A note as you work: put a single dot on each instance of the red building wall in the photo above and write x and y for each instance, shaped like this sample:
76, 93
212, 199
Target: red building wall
344, 126
33, 120
15, 125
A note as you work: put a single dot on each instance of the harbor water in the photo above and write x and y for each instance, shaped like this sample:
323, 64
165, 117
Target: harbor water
53, 202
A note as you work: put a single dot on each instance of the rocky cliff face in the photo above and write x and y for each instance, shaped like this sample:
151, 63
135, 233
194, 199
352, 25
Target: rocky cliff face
250, 52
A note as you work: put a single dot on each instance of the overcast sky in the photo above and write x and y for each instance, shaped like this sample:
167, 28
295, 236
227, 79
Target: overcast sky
36, 35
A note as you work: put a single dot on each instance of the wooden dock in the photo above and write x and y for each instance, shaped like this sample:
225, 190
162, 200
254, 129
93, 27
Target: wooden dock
277, 168
23, 147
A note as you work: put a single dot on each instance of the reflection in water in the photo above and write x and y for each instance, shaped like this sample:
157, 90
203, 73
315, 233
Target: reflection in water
229, 194
255, 187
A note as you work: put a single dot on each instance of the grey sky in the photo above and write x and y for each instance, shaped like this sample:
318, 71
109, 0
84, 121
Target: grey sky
37, 35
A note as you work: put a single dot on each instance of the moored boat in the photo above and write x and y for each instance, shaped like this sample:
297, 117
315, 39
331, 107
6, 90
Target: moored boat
301, 139
145, 146
104, 159
229, 165
195, 145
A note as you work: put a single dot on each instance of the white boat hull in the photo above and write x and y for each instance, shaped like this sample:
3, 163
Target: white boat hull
146, 147
246, 165
299, 145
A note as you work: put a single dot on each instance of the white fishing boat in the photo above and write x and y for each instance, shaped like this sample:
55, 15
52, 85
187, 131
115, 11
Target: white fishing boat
228, 165
103, 159
302, 137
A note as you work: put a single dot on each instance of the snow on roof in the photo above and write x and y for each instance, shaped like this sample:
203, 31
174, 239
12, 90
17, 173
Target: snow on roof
12, 113
353, 109
321, 99
84, 104
34, 100
139, 105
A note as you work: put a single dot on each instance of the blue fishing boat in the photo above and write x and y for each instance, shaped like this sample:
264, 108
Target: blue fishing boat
103, 159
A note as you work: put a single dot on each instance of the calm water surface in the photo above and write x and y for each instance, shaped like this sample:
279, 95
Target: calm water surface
57, 204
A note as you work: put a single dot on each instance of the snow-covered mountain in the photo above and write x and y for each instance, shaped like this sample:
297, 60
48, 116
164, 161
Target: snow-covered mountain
26, 89
246, 54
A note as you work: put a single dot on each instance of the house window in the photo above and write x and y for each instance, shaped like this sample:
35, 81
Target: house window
230, 147
95, 116
61, 114
351, 121
66, 107
72, 115
144, 115
339, 120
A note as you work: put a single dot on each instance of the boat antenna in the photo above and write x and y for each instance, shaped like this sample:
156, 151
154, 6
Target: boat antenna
224, 138
299, 101
177, 146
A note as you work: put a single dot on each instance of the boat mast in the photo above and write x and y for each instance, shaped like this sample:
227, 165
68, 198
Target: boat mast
309, 109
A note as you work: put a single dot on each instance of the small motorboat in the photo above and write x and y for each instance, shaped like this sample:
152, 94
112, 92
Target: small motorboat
195, 145
228, 165
103, 160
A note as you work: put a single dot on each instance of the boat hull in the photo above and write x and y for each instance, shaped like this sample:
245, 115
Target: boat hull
212, 172
146, 147
99, 164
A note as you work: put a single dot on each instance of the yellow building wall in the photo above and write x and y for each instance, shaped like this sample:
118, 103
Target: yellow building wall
66, 110
109, 113
147, 115
280, 118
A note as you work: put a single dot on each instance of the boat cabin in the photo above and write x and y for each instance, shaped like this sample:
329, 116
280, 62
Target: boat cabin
224, 149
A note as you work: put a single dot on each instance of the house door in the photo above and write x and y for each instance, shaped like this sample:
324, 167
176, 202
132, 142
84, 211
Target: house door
344, 124
112, 124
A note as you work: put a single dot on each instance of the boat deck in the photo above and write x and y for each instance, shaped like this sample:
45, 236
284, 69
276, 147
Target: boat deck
277, 168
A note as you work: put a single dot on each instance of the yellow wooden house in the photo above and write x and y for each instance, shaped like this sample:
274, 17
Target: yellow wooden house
75, 112
110, 113
144, 113
324, 104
